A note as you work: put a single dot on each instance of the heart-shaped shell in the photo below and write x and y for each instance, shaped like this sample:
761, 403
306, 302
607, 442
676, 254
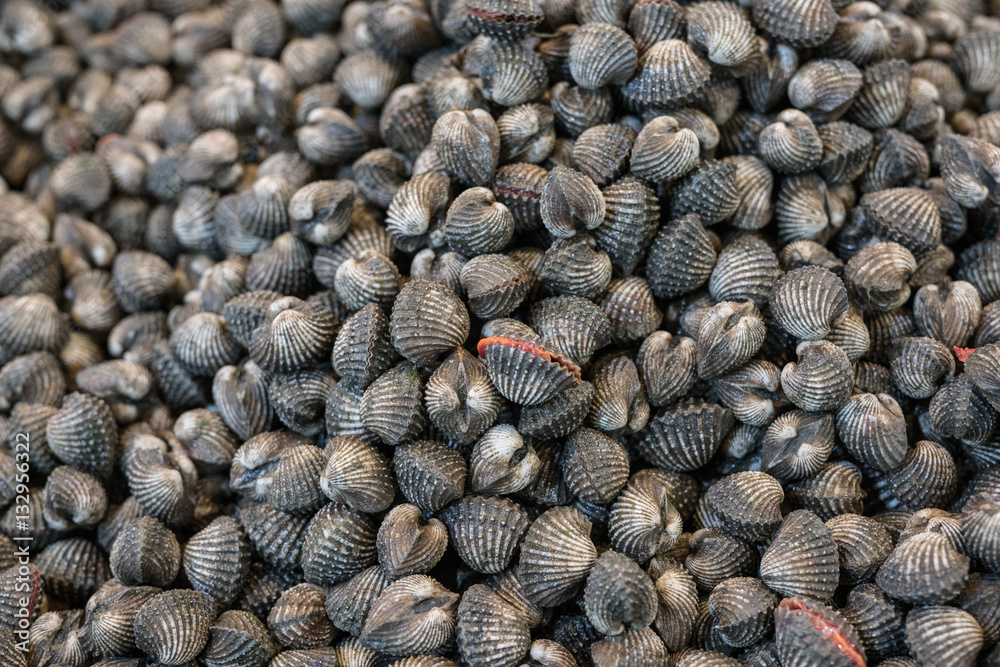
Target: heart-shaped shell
807, 302
796, 444
619, 596
643, 521
413, 615
601, 54
408, 545
730, 335
715, 557
745, 271
495, 285
147, 554
743, 609
821, 380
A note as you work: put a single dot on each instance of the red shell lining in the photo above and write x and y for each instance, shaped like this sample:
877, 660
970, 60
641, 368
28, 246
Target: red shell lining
531, 349
517, 192
499, 16
963, 352
828, 630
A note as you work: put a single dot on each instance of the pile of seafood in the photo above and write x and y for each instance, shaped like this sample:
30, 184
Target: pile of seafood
500, 333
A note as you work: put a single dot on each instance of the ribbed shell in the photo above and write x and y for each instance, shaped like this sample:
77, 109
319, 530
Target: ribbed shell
846, 148
518, 186
484, 614
619, 596
576, 267
632, 213
145, 553
512, 74
557, 417
338, 544
980, 521
468, 144
429, 475
943, 636
298, 619
802, 558
601, 54
393, 405
796, 444
808, 632
485, 531
111, 613
710, 191
863, 543
821, 380
664, 151
556, 556
670, 72
923, 569
927, 477
495, 285
408, 545
595, 467
878, 621
83, 433
32, 323
204, 344
413, 615
631, 309
745, 271
238, 637
570, 202
743, 610
635, 648
807, 302
573, 325
217, 560
427, 320
295, 336
686, 437
348, 604
643, 522
825, 88
872, 429
883, 97
729, 336
525, 373
477, 224
173, 626
791, 144
747, 504
72, 498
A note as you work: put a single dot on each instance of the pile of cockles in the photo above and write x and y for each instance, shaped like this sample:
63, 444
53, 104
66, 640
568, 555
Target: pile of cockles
499, 333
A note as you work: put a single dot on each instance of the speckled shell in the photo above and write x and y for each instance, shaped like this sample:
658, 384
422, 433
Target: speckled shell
485, 531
